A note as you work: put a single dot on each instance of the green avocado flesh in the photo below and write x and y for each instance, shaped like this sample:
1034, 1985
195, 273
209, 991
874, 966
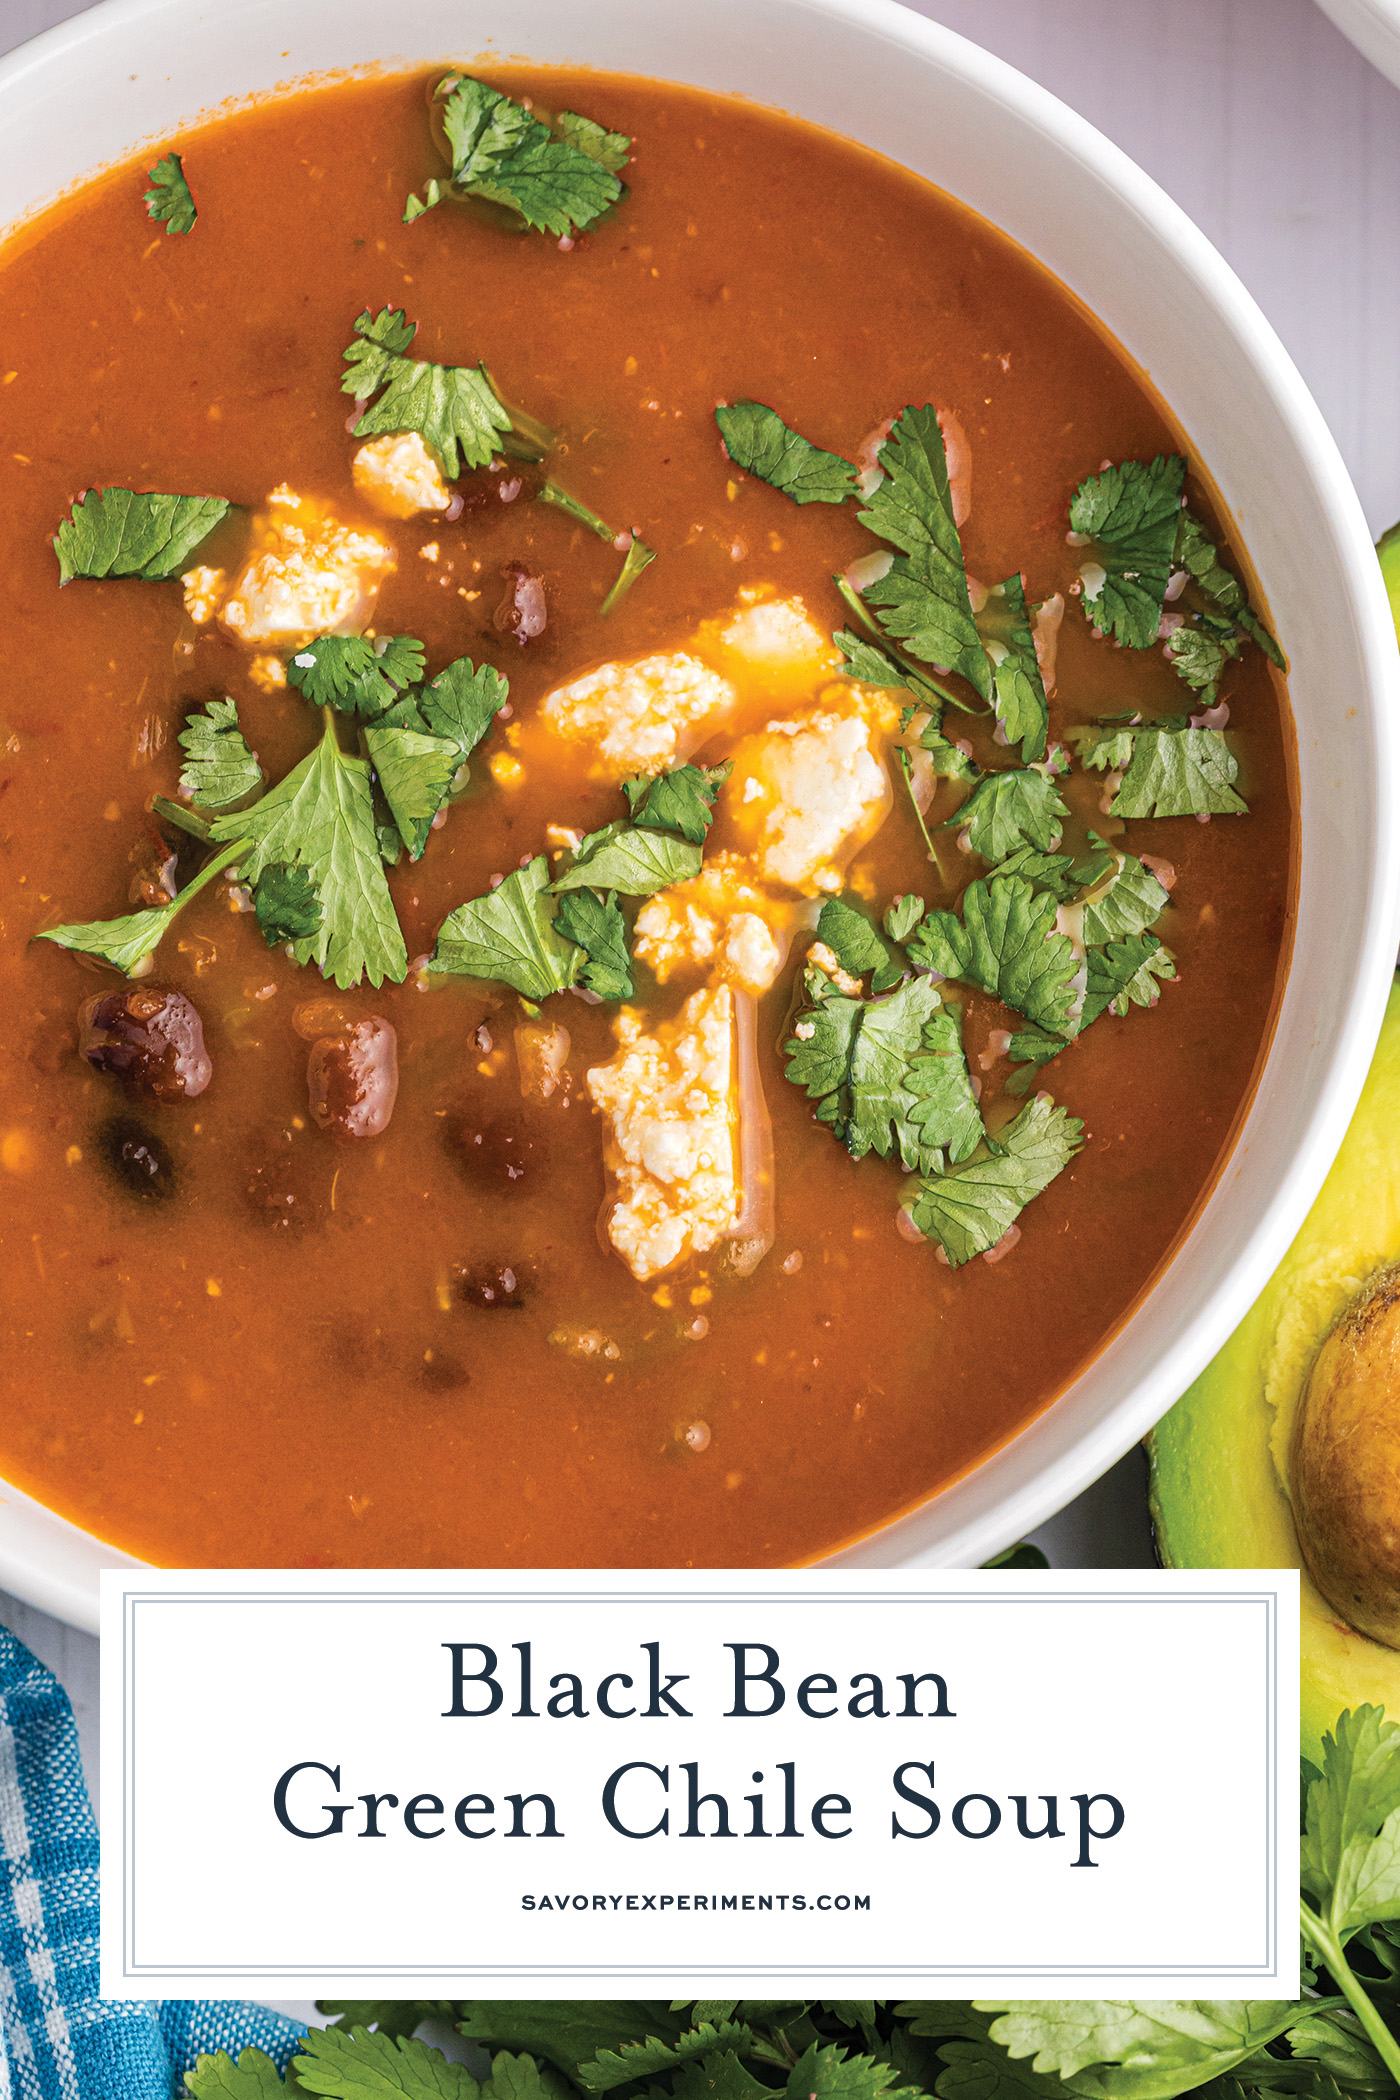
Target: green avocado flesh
1219, 1459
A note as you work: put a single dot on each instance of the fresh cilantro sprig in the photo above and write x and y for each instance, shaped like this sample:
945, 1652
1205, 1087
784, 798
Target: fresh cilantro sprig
1179, 773
168, 199
454, 408
219, 768
1006, 944
354, 674
320, 817
922, 600
1350, 1860
596, 924
510, 935
1123, 974
889, 1075
632, 859
122, 532
1022, 807
559, 181
760, 443
968, 1209
1126, 518
858, 947
681, 800
1018, 690
1197, 554
128, 942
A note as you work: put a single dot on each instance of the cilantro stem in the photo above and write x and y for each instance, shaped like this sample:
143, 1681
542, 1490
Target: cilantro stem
528, 438
183, 819
639, 557
1325, 1942
562, 500
907, 770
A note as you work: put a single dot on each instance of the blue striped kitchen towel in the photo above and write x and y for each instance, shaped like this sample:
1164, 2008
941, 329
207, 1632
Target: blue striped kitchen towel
58, 2039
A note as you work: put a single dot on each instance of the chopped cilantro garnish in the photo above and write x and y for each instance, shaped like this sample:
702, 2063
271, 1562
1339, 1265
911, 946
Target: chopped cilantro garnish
461, 702
1007, 810
869, 664
1197, 554
1103, 747
183, 819
861, 1060
1199, 652
120, 532
454, 408
127, 942
415, 770
857, 946
1031, 1048
903, 916
1043, 871
510, 935
1018, 692
287, 906
923, 600
557, 182
1179, 773
560, 499
970, 1208
219, 768
760, 443
353, 674
1120, 896
169, 197
597, 925
1006, 943
682, 800
634, 862
320, 817
1129, 515
1125, 973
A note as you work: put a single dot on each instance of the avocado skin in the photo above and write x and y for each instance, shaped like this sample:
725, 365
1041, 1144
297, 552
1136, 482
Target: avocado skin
1217, 1496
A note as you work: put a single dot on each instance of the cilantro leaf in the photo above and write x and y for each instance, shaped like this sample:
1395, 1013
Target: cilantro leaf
1103, 747
979, 2070
1007, 810
1350, 1863
1129, 516
509, 935
220, 768
320, 817
1005, 942
567, 2032
120, 532
945, 1114
1032, 1049
1198, 653
461, 702
1337, 2041
169, 197
1118, 2049
1197, 554
414, 771
923, 600
868, 664
287, 906
1179, 773
353, 674
560, 499
254, 2077
720, 2076
970, 1208
1124, 974
1124, 899
949, 760
1018, 691
635, 862
454, 408
903, 916
614, 2067
502, 153
597, 925
856, 945
855, 1057
611, 149
128, 941
759, 442
364, 2066
681, 801
829, 2073
1043, 871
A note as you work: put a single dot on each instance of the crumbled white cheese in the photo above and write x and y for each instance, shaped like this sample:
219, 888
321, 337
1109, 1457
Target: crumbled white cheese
719, 917
671, 1145
400, 476
641, 717
269, 672
307, 574
824, 958
204, 590
804, 795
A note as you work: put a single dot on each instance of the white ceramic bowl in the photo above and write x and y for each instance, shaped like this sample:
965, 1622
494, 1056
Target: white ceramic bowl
133, 71
1374, 28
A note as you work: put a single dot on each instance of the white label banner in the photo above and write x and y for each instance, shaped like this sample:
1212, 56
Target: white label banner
700, 1784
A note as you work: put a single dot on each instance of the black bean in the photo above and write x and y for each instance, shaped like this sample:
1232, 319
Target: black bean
353, 1079
150, 1037
522, 610
136, 1158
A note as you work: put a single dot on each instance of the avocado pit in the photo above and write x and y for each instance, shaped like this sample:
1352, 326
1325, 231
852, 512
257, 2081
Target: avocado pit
1345, 1463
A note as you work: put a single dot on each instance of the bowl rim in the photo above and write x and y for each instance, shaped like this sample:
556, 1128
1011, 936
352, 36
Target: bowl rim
983, 1523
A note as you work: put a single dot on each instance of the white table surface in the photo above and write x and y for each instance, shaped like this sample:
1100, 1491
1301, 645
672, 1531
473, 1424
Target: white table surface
1284, 146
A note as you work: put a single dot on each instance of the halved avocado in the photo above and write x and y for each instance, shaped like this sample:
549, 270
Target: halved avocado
1220, 1459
